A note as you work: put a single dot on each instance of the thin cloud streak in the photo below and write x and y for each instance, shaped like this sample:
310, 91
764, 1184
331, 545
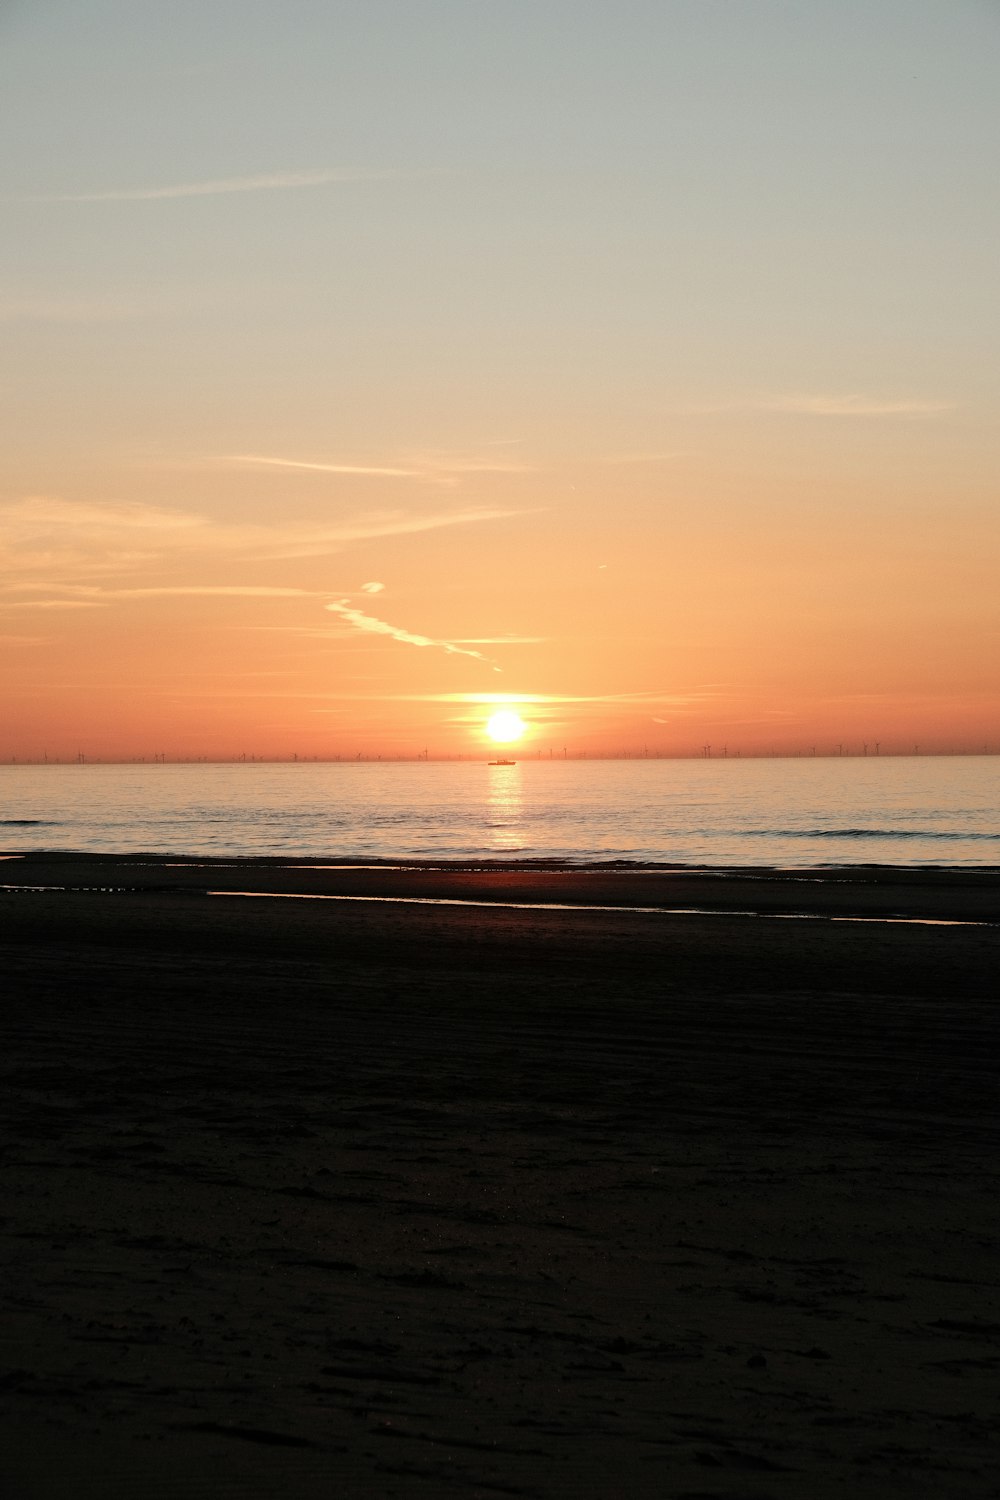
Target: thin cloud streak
319, 541
374, 626
855, 406
823, 404
57, 545
431, 467
210, 590
54, 604
265, 182
376, 470
541, 699
35, 514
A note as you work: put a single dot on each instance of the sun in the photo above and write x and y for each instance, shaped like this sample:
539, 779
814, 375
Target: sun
505, 726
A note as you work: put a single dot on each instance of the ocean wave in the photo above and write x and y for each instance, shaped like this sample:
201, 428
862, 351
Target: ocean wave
866, 833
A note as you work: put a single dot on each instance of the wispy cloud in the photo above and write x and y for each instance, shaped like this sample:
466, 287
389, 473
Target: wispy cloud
376, 470
824, 404
213, 187
654, 696
316, 541
52, 604
95, 597
853, 405
40, 514
369, 623
213, 590
434, 467
59, 545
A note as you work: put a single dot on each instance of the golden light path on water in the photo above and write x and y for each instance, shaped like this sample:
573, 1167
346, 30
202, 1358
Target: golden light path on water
505, 809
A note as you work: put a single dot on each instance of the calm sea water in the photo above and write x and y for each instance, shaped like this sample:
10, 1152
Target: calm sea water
920, 811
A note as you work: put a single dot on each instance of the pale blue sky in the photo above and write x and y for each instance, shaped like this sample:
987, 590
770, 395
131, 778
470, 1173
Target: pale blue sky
534, 210
761, 186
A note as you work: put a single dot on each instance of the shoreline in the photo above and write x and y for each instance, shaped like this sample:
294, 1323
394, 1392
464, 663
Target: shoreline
376, 1198
890, 893
498, 865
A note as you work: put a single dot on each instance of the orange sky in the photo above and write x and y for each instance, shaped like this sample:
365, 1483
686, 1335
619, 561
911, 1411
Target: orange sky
643, 376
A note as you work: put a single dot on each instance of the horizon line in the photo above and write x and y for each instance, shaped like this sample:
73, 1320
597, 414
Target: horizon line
82, 758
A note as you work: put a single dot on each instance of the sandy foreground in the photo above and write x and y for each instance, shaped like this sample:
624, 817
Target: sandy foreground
394, 1198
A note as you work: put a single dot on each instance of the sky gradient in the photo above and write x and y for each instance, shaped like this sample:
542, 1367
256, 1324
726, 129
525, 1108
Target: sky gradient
367, 364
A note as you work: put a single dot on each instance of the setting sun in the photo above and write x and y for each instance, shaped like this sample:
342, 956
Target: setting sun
505, 726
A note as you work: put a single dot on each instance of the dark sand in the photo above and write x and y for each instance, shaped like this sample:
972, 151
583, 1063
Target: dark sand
324, 1198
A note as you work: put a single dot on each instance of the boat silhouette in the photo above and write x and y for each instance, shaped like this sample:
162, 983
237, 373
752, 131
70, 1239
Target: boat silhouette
503, 762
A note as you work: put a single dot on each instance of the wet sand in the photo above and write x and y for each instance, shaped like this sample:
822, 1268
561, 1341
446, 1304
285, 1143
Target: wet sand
313, 1197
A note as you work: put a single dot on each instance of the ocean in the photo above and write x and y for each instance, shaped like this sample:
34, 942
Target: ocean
796, 813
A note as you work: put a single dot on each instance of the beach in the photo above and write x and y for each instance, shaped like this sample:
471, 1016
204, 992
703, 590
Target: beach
492, 1181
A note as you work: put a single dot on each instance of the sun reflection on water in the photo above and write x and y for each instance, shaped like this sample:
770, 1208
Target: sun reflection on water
505, 807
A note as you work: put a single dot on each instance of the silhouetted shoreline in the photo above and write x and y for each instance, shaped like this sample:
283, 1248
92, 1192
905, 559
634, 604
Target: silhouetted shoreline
862, 890
386, 1196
